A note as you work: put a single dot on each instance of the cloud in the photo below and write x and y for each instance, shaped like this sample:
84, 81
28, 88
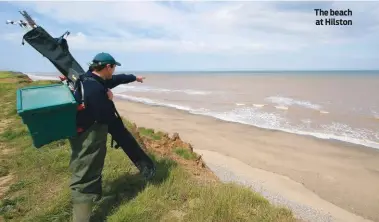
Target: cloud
206, 27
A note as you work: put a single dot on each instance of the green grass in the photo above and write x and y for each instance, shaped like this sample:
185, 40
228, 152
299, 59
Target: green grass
150, 133
4, 75
185, 153
40, 192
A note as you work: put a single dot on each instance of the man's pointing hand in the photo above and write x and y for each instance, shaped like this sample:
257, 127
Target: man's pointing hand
140, 78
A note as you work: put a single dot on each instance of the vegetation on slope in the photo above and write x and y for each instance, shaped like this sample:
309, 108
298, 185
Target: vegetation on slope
34, 182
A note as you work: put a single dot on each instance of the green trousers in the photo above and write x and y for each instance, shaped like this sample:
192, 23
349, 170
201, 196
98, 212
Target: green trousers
86, 164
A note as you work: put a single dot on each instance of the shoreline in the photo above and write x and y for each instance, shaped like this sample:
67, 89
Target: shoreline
331, 141
333, 170
318, 135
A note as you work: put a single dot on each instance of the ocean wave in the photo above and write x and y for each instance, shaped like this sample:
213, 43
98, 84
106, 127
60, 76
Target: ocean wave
306, 121
285, 101
251, 116
347, 132
375, 114
256, 117
126, 88
159, 103
272, 121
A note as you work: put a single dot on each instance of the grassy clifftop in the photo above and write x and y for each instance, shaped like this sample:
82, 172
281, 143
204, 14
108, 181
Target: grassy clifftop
34, 182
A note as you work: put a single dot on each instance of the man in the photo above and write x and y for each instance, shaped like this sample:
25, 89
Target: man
89, 146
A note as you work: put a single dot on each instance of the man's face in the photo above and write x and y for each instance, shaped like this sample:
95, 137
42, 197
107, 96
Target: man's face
110, 70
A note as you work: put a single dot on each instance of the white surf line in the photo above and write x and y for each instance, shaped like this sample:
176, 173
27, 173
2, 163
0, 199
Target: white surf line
276, 188
259, 105
283, 107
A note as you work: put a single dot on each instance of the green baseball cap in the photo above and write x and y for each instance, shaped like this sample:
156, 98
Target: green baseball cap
105, 58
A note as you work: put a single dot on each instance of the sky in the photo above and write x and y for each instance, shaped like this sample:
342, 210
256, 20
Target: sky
198, 35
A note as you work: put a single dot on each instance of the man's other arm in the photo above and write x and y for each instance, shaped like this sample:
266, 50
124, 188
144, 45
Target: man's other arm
101, 107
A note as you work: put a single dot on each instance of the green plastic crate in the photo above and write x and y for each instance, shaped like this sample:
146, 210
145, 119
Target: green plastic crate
48, 111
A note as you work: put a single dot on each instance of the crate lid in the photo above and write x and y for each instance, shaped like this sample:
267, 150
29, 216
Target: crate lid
36, 98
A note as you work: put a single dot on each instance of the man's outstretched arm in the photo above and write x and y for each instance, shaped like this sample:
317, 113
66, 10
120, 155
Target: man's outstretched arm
120, 79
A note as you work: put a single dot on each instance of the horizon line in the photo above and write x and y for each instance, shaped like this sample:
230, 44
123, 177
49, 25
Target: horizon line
224, 70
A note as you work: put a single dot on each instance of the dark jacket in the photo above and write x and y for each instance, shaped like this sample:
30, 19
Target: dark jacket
98, 107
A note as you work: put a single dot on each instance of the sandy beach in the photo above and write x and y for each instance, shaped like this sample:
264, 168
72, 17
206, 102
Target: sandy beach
319, 180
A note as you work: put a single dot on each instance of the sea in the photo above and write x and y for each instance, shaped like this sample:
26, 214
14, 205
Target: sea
336, 105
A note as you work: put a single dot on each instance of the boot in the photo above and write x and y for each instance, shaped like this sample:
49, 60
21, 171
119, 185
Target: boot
147, 170
82, 212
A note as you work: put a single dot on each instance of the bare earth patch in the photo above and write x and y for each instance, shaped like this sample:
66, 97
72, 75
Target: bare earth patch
5, 182
6, 151
4, 124
174, 215
166, 146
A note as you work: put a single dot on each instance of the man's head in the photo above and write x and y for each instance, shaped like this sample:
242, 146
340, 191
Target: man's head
104, 64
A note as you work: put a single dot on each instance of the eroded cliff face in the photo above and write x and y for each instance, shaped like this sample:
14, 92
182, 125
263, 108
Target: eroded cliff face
173, 147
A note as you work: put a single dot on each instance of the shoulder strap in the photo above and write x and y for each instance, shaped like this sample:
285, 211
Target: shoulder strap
79, 91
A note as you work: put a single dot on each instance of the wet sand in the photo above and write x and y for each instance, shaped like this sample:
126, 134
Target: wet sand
339, 179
